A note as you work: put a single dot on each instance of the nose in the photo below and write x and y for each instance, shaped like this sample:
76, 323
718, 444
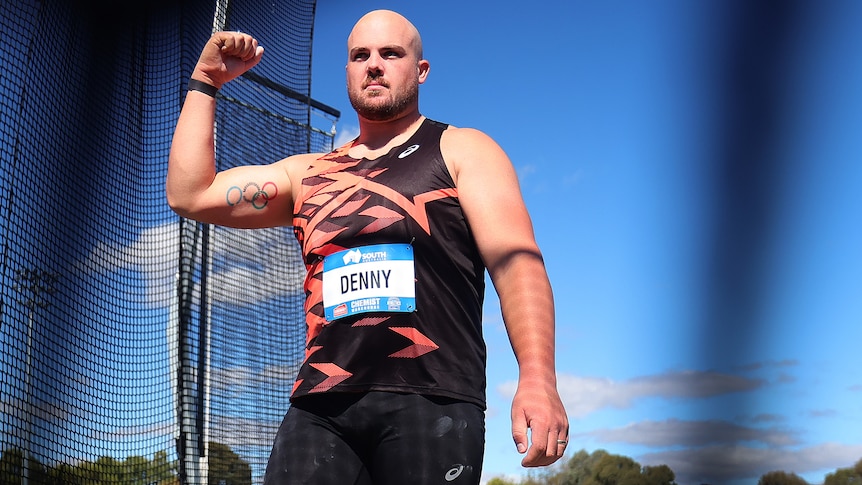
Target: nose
373, 65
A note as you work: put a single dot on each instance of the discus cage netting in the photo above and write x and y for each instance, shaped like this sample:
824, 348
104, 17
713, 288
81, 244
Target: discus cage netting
139, 347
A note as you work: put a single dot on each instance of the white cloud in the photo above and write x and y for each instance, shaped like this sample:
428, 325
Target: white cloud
767, 418
585, 395
675, 432
573, 178
711, 451
156, 246
526, 170
769, 364
256, 265
250, 381
154, 255
721, 464
238, 433
253, 265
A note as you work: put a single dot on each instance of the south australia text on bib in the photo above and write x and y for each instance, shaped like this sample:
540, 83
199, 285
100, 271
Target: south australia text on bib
378, 278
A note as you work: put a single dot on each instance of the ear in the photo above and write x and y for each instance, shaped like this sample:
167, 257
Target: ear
422, 68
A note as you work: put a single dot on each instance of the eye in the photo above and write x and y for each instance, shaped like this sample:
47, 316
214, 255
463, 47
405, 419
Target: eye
390, 54
359, 56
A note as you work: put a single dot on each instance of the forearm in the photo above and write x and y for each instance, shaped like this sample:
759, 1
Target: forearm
527, 304
191, 164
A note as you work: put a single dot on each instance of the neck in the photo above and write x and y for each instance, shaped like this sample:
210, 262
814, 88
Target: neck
377, 134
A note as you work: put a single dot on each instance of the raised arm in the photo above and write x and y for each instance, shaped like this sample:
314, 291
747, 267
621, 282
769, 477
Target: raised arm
490, 196
248, 196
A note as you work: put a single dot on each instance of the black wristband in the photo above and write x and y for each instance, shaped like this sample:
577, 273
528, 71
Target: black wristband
208, 89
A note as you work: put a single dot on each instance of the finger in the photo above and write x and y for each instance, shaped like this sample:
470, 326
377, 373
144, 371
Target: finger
537, 457
557, 443
519, 432
546, 451
552, 449
251, 62
562, 443
237, 44
537, 454
249, 49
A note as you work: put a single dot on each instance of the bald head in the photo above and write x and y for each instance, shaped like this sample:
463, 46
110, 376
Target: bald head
386, 26
385, 67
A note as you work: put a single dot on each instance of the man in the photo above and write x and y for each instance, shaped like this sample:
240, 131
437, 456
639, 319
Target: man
396, 229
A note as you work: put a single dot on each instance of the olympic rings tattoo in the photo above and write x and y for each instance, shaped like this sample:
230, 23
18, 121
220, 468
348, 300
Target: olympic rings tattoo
258, 196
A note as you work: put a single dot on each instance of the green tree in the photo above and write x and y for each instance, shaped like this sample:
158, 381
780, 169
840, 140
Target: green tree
226, 467
845, 476
135, 470
578, 470
603, 468
781, 478
66, 474
162, 471
500, 481
11, 464
618, 470
659, 475
105, 469
12, 468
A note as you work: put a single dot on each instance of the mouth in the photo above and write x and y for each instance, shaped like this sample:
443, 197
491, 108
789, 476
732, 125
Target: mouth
375, 84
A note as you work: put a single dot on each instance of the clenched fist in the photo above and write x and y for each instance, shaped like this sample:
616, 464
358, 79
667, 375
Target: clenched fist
225, 56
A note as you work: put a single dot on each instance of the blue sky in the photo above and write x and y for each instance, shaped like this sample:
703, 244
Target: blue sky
692, 169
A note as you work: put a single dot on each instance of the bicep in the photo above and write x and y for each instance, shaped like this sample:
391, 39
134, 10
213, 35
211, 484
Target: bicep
247, 196
490, 196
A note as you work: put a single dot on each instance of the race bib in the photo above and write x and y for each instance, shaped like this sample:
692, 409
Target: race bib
378, 278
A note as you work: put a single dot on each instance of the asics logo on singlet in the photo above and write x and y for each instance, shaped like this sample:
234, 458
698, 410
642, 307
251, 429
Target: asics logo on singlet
408, 151
453, 472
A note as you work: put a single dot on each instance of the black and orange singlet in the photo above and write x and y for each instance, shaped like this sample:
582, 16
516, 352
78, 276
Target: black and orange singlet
404, 197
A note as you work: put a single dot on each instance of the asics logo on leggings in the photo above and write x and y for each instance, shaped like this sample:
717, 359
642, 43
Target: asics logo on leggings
454, 472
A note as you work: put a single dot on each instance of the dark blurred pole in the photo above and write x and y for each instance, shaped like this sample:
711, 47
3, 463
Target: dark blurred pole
754, 50
35, 284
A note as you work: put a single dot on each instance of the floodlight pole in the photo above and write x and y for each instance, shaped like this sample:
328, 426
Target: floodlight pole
36, 283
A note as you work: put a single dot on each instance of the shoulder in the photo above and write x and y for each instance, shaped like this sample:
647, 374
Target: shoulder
467, 148
458, 141
296, 164
294, 169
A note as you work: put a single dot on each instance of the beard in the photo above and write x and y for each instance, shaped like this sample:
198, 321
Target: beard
378, 107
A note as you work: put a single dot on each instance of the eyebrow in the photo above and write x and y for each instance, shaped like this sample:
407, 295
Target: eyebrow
393, 47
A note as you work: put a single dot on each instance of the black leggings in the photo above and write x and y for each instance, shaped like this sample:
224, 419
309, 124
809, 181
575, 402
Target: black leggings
378, 438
